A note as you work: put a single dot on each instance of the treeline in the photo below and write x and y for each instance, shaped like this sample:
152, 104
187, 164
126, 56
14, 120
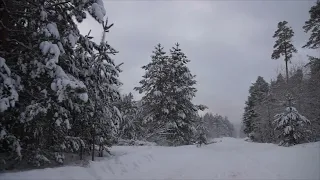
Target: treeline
59, 90
286, 110
216, 126
134, 127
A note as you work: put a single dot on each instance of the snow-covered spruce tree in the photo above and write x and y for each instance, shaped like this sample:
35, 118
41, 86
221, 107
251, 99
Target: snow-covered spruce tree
266, 111
143, 133
201, 127
129, 125
9, 85
291, 124
209, 123
257, 93
40, 38
167, 85
229, 128
103, 89
180, 92
34, 45
248, 116
153, 102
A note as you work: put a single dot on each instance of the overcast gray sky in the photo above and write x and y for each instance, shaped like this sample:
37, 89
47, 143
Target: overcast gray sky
229, 43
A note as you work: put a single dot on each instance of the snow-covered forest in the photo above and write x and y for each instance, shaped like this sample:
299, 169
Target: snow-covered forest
61, 98
286, 109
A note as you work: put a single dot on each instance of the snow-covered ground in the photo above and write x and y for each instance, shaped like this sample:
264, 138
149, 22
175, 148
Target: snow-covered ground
229, 159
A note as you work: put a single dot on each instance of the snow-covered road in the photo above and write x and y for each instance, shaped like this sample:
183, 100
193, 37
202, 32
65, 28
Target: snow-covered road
229, 159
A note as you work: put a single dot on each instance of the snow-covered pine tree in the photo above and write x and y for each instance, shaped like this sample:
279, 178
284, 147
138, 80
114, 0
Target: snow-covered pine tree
209, 122
143, 133
292, 126
103, 89
154, 101
37, 49
248, 116
129, 125
257, 93
168, 87
39, 40
180, 92
201, 127
230, 132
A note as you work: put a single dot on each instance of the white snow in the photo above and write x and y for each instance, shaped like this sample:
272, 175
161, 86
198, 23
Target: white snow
3, 133
7, 84
63, 81
182, 115
58, 122
43, 15
84, 97
72, 40
229, 159
97, 10
117, 111
157, 93
53, 30
67, 124
165, 110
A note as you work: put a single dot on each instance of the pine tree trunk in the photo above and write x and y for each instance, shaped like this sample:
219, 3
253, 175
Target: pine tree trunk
101, 150
93, 137
287, 72
81, 152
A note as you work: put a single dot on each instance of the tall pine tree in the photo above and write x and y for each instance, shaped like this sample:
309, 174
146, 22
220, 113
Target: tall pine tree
283, 45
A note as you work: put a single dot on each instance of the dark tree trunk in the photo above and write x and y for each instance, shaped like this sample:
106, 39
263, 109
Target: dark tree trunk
287, 72
81, 152
93, 148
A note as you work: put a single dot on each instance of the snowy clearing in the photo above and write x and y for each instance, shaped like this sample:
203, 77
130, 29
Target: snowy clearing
229, 159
